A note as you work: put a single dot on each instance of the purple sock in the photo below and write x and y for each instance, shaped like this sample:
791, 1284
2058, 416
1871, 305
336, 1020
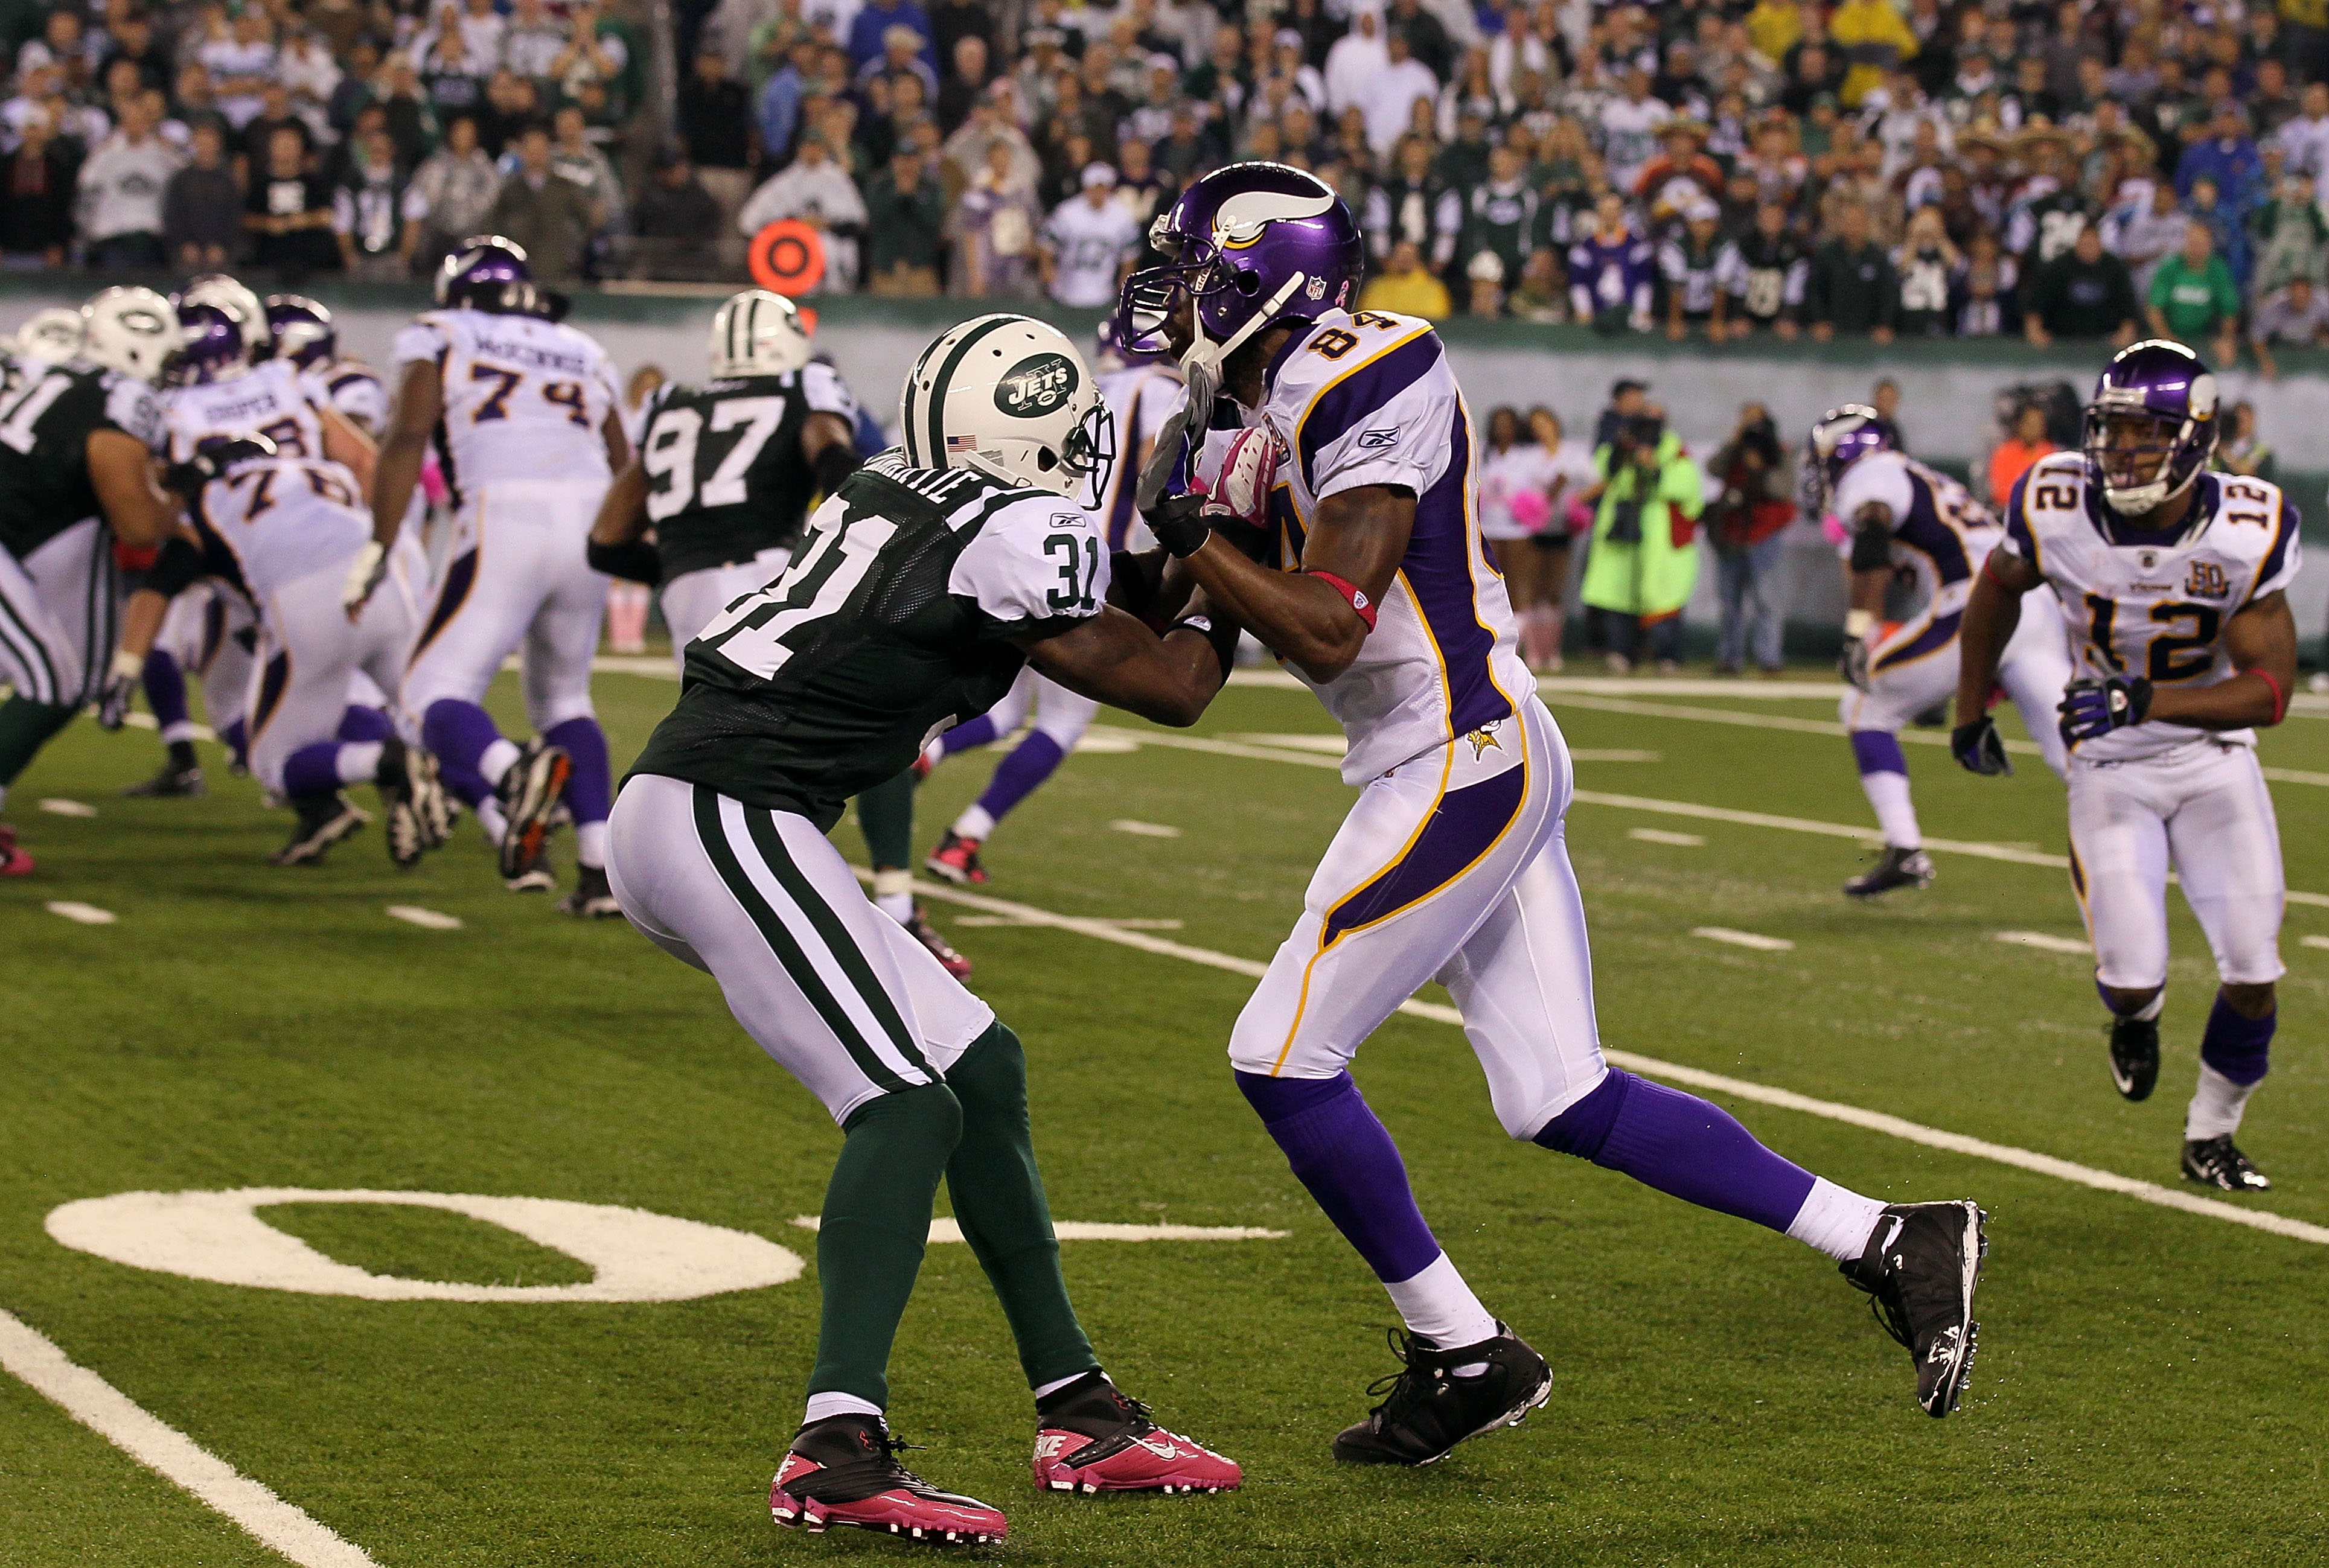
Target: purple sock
2238, 1047
979, 731
1031, 762
1878, 751
1689, 1148
237, 736
591, 795
1341, 1152
312, 770
359, 723
165, 689
459, 732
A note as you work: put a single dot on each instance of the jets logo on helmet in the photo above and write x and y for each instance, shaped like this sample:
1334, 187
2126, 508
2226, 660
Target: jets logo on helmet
1840, 438
51, 336
757, 333
1036, 385
1008, 396
2150, 426
132, 331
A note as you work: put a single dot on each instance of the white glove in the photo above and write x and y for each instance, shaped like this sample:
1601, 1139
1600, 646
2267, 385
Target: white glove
1249, 471
364, 573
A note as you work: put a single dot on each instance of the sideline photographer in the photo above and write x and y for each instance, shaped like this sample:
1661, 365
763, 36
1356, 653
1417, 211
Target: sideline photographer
1644, 554
1752, 507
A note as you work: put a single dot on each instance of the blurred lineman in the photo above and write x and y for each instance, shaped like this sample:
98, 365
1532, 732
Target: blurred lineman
1453, 863
1141, 389
528, 417
1903, 516
305, 334
76, 483
2174, 579
923, 585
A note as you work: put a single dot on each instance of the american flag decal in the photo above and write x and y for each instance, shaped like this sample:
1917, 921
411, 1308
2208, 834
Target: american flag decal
962, 443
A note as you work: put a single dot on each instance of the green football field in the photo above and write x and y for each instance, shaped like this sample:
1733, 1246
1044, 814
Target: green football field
2149, 1384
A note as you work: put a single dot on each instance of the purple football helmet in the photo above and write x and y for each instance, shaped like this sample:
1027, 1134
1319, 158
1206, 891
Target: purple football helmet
1840, 438
488, 273
216, 345
1114, 353
303, 331
2151, 425
1249, 244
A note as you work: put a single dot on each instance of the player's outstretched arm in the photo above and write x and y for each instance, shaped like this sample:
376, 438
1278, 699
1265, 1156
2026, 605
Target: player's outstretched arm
121, 471
1114, 657
346, 443
2262, 643
617, 544
1993, 611
1317, 618
1867, 575
419, 402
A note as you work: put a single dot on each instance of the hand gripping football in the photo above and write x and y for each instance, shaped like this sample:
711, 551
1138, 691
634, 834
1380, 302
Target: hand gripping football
1249, 470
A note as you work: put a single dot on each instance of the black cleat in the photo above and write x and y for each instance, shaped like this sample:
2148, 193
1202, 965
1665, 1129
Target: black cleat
2134, 1059
412, 800
173, 781
530, 795
1920, 1272
844, 1470
323, 820
591, 898
1444, 1397
1898, 868
2216, 1162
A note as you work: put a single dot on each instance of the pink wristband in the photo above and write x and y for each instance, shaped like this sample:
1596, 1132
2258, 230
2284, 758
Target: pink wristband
1350, 591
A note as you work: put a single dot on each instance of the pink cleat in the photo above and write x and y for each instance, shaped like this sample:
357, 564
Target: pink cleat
1091, 1438
845, 1471
15, 862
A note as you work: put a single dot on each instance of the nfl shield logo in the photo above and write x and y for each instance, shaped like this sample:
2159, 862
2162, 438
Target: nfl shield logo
2149, 559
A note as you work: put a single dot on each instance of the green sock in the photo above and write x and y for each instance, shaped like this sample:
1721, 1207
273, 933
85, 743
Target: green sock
876, 1222
26, 727
886, 813
998, 1200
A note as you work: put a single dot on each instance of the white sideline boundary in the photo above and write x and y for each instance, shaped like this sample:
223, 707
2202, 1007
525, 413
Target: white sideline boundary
105, 1410
1740, 1088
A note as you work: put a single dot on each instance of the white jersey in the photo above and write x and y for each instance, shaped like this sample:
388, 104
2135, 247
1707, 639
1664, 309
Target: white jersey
1090, 247
274, 399
2145, 604
523, 398
1939, 531
356, 392
1519, 471
1140, 398
282, 519
1370, 398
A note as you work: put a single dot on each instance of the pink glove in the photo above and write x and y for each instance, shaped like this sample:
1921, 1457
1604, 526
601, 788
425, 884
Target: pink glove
1249, 471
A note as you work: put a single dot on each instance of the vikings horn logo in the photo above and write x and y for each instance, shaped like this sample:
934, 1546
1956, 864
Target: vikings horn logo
1243, 217
1036, 386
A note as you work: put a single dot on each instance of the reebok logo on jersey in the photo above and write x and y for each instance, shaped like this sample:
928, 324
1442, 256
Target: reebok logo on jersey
1036, 386
1376, 438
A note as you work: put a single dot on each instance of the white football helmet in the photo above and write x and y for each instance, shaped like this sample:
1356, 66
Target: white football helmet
1009, 396
134, 331
51, 336
757, 333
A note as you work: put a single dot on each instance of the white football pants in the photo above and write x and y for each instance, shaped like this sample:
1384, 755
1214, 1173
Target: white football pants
691, 599
1917, 667
59, 616
308, 652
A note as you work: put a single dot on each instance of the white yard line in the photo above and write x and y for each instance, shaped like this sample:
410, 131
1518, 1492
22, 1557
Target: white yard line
1740, 1088
1144, 830
1660, 836
2011, 854
58, 807
169, 1453
82, 914
427, 919
2045, 942
1761, 943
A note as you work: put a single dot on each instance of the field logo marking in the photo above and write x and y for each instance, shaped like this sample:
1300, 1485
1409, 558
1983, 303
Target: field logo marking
169, 1453
80, 913
221, 1238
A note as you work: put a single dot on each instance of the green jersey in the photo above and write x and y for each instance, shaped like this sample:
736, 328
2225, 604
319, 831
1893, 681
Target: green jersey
900, 616
726, 477
47, 414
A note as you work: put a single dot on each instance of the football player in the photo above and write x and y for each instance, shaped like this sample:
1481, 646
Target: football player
1142, 387
282, 530
923, 585
526, 413
51, 335
1904, 517
304, 334
1379, 593
2175, 581
76, 478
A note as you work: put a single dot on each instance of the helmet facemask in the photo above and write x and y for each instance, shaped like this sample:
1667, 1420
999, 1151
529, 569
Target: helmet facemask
2139, 455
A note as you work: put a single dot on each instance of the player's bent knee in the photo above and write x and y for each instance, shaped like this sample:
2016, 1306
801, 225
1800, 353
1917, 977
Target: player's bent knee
1583, 1127
1522, 1121
2251, 1002
2127, 1000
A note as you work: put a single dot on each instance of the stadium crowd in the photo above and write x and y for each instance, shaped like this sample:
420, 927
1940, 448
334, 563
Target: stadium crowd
2083, 171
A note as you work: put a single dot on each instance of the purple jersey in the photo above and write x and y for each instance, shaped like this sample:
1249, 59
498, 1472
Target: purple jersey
1610, 276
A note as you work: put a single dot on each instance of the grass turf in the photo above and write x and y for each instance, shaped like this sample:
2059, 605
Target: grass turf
2144, 1393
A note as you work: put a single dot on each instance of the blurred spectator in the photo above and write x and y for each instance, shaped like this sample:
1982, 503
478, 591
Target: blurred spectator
545, 212
1765, 270
1405, 287
2242, 450
201, 210
869, 31
289, 212
1629, 126
375, 212
1355, 64
2304, 141
1087, 246
457, 185
122, 185
2298, 314
1873, 37
2149, 231
533, 41
1989, 308
1927, 266
2085, 293
36, 205
1751, 508
1689, 263
589, 69
675, 209
905, 224
1851, 288
1644, 559
1611, 272
2011, 458
240, 63
993, 227
820, 192
716, 118
2193, 299
2292, 237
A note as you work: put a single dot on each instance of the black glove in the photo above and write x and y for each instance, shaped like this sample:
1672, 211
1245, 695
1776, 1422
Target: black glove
1978, 748
2093, 707
1179, 523
635, 560
1852, 663
186, 479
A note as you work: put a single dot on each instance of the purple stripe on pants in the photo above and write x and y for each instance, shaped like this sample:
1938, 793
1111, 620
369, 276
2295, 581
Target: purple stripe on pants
1460, 828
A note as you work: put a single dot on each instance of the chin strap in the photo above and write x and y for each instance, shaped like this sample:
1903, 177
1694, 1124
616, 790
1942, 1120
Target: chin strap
1201, 366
